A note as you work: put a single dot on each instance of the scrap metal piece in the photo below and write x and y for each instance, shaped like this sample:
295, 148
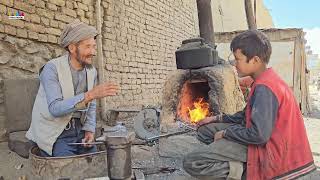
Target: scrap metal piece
147, 123
89, 143
167, 135
185, 125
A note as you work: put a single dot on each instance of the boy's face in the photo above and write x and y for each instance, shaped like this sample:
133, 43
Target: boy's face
243, 66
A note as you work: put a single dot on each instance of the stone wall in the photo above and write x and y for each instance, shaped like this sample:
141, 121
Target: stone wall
139, 40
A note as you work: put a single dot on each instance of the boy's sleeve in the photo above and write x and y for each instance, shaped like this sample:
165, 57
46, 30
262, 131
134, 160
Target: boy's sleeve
263, 114
237, 118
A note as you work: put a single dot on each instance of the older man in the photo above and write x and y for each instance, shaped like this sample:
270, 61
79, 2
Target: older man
64, 111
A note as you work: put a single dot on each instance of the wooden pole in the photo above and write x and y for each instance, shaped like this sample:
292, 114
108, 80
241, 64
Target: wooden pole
249, 13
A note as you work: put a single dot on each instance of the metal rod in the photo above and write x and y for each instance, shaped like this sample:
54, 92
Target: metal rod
92, 143
186, 125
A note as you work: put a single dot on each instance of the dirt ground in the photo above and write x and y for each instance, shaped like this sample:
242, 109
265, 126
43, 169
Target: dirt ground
13, 167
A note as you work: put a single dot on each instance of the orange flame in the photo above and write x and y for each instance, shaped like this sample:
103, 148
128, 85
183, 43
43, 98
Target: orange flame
199, 112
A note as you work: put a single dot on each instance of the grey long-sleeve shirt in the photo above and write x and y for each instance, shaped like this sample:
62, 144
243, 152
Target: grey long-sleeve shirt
264, 110
57, 105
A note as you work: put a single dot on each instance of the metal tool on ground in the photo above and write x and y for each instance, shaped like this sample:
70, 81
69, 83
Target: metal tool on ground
89, 143
185, 125
147, 123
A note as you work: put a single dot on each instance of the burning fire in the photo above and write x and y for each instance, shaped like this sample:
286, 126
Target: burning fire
200, 110
192, 106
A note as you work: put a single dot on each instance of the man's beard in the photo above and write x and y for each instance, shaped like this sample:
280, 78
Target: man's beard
82, 61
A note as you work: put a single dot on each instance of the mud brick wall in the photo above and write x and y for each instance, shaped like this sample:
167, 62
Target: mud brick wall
139, 40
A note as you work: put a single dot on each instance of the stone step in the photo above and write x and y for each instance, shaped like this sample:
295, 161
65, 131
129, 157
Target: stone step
19, 144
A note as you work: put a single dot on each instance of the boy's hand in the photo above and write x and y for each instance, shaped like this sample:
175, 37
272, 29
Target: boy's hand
219, 135
207, 120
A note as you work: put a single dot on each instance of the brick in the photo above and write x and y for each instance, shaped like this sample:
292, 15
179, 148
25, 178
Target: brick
32, 35
16, 22
89, 15
45, 13
75, 5
105, 4
87, 2
69, 12
43, 38
63, 18
34, 18
69, 4
53, 31
7, 2
80, 12
92, 22
54, 23
57, 2
52, 39
52, 7
40, 4
3, 9
10, 30
45, 21
1, 28
85, 20
91, 8
24, 7
35, 27
62, 25
32, 2
83, 6
22, 33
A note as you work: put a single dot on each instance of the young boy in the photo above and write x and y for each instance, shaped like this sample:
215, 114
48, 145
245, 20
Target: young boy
268, 139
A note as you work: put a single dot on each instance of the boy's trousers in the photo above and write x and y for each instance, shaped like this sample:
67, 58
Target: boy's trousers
221, 159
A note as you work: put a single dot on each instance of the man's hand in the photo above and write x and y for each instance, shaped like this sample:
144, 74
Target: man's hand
101, 90
218, 135
207, 120
88, 138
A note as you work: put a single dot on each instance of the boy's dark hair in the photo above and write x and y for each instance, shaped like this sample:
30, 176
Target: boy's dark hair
252, 43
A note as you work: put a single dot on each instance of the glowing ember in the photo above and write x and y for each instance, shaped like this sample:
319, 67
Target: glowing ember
200, 110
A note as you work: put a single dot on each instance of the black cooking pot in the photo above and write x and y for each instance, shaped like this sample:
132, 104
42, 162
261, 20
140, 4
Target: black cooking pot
195, 53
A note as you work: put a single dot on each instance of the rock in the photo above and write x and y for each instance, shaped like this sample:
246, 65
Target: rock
22, 42
20, 144
19, 99
98, 178
31, 49
18, 166
178, 146
3, 135
5, 58
138, 175
10, 39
